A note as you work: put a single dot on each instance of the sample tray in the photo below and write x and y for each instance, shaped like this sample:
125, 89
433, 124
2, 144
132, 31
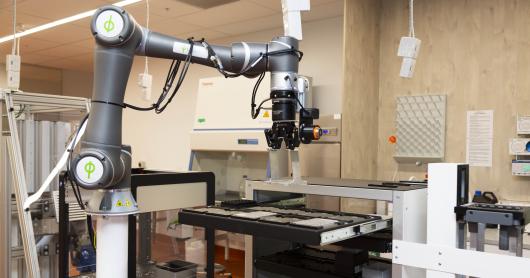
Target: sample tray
313, 227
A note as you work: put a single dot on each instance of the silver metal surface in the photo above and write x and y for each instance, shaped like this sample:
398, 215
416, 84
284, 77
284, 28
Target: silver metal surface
45, 100
481, 236
24, 175
295, 166
5, 203
349, 232
409, 223
279, 163
283, 81
46, 226
112, 202
323, 190
20, 189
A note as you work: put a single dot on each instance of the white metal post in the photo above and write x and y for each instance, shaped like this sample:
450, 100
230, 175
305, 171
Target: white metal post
5, 203
409, 224
21, 193
442, 226
112, 246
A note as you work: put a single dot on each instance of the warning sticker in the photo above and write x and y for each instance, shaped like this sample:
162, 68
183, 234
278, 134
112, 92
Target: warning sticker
119, 203
128, 203
266, 114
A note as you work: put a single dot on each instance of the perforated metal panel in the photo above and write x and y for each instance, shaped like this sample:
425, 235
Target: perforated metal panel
420, 125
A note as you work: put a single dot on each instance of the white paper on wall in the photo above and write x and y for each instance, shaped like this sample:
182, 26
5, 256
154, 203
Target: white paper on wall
479, 138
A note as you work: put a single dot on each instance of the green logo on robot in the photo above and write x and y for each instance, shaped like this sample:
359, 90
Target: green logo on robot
109, 24
89, 169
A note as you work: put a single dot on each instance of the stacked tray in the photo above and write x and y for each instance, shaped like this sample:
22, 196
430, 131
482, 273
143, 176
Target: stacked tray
297, 225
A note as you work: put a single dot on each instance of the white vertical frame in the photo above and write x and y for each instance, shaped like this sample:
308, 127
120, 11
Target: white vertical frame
409, 224
442, 226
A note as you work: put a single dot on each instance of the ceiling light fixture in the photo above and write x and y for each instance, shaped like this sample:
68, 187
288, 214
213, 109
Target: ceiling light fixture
61, 22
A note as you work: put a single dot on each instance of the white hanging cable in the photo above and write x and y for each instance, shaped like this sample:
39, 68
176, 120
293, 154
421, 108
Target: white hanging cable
411, 18
146, 69
13, 49
60, 165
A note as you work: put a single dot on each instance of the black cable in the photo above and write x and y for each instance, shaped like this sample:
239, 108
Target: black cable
161, 104
126, 105
182, 76
253, 111
20, 110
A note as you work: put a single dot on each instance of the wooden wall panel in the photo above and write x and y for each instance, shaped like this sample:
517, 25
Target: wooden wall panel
360, 97
478, 53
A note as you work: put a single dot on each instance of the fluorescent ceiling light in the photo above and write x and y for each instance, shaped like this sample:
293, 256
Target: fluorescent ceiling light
62, 21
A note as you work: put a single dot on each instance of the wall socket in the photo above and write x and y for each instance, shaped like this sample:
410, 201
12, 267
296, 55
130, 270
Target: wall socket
409, 48
145, 82
13, 71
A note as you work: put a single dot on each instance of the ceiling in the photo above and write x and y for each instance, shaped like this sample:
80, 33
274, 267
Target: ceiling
70, 46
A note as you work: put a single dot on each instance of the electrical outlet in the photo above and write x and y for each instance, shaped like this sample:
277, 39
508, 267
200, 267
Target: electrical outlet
13, 71
13, 80
145, 81
12, 62
409, 47
407, 67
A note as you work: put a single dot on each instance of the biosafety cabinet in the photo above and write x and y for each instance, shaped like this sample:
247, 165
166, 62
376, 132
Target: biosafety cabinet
226, 140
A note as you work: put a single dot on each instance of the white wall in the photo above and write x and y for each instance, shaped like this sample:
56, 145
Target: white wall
77, 83
3, 76
162, 141
36, 79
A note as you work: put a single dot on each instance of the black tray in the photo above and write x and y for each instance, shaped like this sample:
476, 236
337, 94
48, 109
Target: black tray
359, 225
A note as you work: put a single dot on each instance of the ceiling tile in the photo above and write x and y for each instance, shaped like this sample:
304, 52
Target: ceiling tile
162, 8
71, 46
64, 34
277, 4
63, 51
274, 4
173, 27
56, 9
24, 22
207, 34
258, 24
5, 49
29, 44
83, 23
226, 14
9, 3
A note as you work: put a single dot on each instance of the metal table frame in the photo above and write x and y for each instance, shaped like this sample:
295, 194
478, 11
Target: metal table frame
409, 210
35, 103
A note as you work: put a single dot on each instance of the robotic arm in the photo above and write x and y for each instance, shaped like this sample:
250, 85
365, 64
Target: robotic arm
104, 163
